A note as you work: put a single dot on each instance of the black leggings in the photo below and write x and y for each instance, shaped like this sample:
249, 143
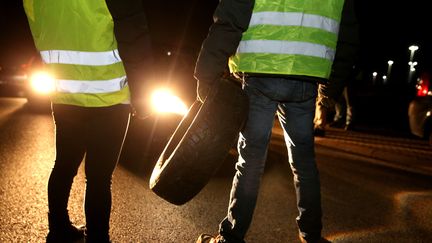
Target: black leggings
96, 133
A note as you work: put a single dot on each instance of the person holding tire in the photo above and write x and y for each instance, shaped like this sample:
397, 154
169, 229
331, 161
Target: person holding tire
81, 43
280, 49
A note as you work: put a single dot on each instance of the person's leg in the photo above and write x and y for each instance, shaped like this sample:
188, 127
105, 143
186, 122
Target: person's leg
349, 99
340, 112
320, 120
69, 153
252, 148
106, 129
296, 118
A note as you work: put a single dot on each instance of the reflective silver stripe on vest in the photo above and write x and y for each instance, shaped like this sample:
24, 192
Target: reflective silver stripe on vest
286, 47
81, 57
294, 19
94, 86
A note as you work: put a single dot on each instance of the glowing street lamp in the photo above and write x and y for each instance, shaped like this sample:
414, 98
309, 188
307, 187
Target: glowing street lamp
412, 49
412, 66
384, 77
374, 76
411, 63
411, 70
390, 64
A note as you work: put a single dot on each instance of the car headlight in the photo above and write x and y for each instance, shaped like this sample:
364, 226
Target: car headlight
42, 83
163, 101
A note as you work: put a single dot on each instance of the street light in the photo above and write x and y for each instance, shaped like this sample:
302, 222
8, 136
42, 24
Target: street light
412, 49
384, 77
374, 75
390, 64
411, 70
412, 66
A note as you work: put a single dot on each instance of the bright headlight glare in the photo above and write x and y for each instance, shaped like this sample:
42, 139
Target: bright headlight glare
42, 82
163, 101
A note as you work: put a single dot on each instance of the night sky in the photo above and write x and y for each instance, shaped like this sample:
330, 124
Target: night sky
388, 28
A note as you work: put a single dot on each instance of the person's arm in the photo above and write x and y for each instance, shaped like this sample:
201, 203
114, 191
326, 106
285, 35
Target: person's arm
347, 53
231, 19
133, 39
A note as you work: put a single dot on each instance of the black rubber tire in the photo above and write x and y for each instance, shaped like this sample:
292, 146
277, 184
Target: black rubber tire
200, 143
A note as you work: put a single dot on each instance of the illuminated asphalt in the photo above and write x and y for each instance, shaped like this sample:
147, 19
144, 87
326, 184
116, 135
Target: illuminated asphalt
364, 199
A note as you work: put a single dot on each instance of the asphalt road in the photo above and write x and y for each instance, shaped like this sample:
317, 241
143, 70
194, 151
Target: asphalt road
362, 201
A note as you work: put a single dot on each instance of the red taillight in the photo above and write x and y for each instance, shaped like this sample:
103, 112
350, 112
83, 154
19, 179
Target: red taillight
423, 85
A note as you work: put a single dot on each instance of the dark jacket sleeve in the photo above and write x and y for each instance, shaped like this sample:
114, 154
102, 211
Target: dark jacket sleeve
231, 19
133, 39
347, 53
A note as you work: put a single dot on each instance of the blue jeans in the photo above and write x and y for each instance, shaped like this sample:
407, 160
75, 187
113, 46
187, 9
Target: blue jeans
294, 102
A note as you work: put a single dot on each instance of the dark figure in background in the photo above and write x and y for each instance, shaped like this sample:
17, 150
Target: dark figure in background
344, 110
80, 44
288, 46
337, 93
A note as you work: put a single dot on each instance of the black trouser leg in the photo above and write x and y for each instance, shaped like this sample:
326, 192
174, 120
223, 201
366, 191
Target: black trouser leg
70, 151
107, 129
98, 134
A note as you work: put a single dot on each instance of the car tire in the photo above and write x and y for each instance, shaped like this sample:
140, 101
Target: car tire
200, 143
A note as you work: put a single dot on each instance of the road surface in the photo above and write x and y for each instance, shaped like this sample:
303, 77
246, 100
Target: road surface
363, 201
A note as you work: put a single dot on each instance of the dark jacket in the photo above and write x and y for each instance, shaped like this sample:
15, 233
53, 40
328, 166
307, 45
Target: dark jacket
347, 54
133, 39
231, 19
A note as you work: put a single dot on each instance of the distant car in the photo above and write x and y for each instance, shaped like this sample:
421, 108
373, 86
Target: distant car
28, 80
420, 108
12, 79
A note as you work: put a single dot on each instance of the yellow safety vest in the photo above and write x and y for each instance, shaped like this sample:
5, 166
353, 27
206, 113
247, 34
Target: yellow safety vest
290, 37
76, 41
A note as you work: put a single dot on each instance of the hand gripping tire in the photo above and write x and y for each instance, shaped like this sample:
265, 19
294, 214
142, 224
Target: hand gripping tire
200, 143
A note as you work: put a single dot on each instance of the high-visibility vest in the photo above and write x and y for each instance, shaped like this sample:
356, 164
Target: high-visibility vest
76, 41
290, 37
